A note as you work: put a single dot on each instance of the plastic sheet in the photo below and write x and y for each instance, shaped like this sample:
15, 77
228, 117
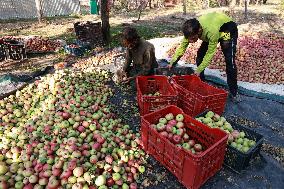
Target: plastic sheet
262, 115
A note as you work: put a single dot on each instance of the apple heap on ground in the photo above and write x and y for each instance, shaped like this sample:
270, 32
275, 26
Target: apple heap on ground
59, 133
259, 58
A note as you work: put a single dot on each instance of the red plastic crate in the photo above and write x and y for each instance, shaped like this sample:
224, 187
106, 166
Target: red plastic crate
152, 84
196, 96
191, 170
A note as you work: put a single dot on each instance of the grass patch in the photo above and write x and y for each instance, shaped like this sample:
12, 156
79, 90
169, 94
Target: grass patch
146, 31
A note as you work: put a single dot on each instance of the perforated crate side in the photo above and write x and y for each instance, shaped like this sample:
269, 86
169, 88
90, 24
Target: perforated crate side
191, 170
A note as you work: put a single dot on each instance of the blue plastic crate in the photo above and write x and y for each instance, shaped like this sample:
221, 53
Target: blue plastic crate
76, 51
83, 45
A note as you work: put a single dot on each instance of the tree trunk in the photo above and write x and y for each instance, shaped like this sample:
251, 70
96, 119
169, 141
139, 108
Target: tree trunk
105, 21
39, 10
246, 10
233, 3
206, 4
141, 7
184, 7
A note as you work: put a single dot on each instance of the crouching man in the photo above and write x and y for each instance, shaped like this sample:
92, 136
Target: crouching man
140, 55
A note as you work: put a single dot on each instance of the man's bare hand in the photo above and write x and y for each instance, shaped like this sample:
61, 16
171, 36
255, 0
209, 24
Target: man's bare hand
196, 73
127, 80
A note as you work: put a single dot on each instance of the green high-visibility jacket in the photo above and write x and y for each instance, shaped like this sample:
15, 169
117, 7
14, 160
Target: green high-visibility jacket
210, 24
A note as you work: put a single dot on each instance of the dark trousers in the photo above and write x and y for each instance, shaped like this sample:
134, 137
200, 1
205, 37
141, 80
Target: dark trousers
229, 48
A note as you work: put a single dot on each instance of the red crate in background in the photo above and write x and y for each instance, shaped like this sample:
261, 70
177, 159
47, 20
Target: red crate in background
152, 84
191, 170
195, 96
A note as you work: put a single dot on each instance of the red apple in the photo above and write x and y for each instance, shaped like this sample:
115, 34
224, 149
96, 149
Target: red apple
81, 129
191, 143
164, 134
72, 164
66, 174
176, 139
169, 128
27, 186
180, 124
96, 146
85, 124
100, 140
66, 115
4, 185
110, 182
56, 172
198, 147
109, 159
52, 183
133, 186
172, 122
185, 137
170, 136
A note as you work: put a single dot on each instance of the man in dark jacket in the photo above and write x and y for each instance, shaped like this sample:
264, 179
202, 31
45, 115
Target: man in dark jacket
211, 28
140, 53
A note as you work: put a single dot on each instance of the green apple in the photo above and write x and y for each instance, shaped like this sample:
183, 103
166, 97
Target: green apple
163, 121
169, 116
100, 181
209, 114
116, 176
245, 149
179, 117
141, 169
19, 185
186, 146
252, 143
240, 140
234, 144
242, 134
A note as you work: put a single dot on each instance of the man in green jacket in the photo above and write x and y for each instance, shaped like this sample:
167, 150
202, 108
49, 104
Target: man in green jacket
211, 28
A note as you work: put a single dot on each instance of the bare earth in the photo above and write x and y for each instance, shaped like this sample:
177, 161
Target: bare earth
264, 18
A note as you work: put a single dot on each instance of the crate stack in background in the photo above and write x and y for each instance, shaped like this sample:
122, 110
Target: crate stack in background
89, 32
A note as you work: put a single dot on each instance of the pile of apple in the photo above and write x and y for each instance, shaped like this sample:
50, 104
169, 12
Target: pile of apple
236, 138
37, 44
59, 133
104, 57
173, 128
259, 58
9, 37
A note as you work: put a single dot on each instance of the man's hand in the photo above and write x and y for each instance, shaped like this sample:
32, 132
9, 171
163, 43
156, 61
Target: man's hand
196, 73
170, 66
127, 80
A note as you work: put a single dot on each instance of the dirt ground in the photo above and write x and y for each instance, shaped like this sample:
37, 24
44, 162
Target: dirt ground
262, 18
265, 18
